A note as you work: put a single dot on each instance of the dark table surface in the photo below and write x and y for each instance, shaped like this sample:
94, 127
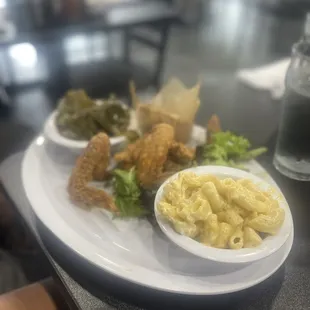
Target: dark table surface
233, 35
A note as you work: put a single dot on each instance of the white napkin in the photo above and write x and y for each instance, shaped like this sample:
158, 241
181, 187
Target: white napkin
270, 77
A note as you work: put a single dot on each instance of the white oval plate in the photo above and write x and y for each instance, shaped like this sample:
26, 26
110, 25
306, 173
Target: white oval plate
270, 245
132, 250
51, 132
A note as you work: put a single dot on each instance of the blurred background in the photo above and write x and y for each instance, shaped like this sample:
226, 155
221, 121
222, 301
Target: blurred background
50, 46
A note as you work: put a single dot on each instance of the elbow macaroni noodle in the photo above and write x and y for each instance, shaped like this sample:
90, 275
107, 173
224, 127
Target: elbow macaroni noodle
228, 214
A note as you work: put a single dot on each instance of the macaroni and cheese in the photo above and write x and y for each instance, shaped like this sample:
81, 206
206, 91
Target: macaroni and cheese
222, 213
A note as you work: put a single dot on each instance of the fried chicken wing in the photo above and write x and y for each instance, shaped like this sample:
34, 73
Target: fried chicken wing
129, 157
100, 170
154, 154
92, 163
181, 154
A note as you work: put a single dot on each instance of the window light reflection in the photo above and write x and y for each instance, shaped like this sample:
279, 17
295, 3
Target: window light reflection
24, 54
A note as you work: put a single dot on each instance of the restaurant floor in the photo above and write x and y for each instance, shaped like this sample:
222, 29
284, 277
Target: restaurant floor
232, 35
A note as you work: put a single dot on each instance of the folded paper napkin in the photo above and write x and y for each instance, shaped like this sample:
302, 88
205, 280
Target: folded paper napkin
270, 77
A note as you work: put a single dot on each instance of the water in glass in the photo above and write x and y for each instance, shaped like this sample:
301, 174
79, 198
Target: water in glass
292, 156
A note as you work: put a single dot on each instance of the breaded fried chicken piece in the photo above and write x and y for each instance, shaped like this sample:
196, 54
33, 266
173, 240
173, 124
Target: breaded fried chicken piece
130, 155
100, 171
181, 154
92, 162
154, 154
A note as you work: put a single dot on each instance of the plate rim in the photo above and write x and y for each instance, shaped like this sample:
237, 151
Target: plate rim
109, 266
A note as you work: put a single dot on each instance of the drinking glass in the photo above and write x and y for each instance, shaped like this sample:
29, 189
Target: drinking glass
292, 155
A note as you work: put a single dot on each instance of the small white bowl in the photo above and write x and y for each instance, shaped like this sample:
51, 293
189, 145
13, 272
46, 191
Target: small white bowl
269, 245
51, 132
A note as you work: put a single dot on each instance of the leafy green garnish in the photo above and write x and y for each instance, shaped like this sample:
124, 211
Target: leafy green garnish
227, 149
253, 153
127, 194
233, 145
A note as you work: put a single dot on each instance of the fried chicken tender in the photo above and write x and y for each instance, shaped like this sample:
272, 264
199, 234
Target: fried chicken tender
181, 154
92, 163
154, 153
130, 155
100, 171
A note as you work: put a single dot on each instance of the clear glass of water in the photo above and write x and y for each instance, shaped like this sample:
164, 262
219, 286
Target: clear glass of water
292, 155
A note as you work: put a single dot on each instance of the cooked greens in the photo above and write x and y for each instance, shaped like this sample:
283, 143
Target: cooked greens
80, 118
228, 149
127, 194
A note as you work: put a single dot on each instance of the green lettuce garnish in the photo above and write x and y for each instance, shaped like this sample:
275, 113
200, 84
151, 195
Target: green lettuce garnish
228, 149
127, 193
